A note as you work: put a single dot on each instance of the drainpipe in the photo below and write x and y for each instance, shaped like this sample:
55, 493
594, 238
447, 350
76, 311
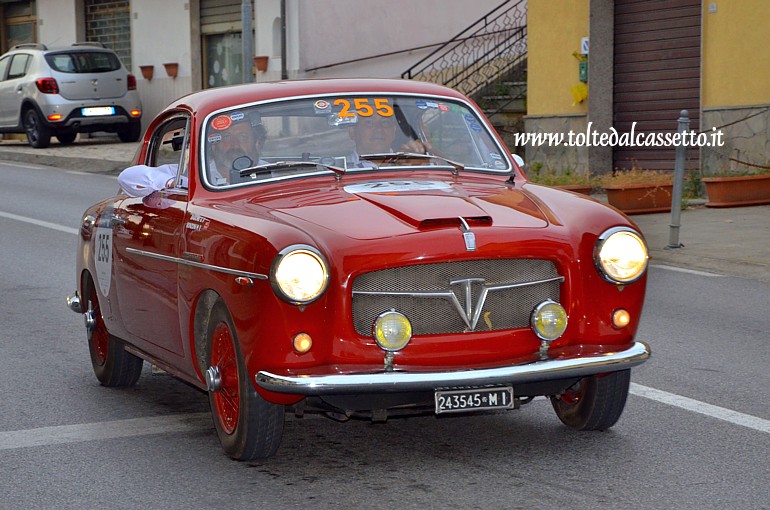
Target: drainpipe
247, 40
284, 66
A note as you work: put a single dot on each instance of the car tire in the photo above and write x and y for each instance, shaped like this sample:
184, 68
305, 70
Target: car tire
38, 134
593, 403
131, 133
112, 364
248, 426
66, 138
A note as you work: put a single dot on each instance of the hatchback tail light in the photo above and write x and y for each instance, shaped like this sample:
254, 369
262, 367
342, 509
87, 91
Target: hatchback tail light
131, 82
47, 85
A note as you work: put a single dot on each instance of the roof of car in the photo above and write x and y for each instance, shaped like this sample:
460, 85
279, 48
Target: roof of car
210, 100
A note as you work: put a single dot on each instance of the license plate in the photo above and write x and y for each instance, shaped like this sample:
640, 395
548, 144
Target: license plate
98, 110
475, 399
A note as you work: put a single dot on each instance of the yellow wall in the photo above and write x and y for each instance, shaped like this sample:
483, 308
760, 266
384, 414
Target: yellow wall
736, 53
554, 31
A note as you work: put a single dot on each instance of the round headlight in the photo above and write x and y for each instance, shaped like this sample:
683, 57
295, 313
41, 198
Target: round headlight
621, 255
392, 331
549, 320
299, 274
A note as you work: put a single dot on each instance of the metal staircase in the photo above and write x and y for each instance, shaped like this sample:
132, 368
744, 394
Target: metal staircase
487, 61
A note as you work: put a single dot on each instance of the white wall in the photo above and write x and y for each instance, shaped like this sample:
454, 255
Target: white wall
160, 33
56, 22
332, 31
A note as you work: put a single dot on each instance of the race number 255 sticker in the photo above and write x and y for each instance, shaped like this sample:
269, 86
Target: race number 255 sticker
103, 253
364, 107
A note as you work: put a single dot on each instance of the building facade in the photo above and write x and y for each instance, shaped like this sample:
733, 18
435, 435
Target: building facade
647, 60
175, 47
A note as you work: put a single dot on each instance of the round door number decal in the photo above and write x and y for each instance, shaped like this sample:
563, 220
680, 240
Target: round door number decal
103, 251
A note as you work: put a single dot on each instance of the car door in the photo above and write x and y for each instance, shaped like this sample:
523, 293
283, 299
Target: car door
13, 68
147, 237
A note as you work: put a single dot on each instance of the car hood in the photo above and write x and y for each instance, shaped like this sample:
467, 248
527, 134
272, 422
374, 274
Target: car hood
378, 209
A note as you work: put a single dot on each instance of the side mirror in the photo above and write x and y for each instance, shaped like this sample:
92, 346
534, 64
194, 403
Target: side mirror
519, 160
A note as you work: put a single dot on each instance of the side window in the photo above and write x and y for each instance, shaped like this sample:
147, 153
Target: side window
19, 66
4, 67
170, 146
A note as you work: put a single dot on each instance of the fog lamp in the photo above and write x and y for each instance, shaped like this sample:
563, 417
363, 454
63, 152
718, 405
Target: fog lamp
621, 318
392, 331
549, 320
302, 342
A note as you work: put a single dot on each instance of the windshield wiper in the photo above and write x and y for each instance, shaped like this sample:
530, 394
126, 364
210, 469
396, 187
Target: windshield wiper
395, 156
285, 165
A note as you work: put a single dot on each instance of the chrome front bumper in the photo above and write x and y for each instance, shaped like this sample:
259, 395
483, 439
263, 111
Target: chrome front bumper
389, 382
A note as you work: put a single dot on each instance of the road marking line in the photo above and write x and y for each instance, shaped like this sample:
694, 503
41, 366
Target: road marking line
39, 223
699, 407
46, 436
689, 271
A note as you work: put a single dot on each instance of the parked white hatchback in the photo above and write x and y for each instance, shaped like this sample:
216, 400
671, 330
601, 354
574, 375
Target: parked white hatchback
61, 92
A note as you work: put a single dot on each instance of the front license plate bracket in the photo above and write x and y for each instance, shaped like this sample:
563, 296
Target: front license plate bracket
474, 399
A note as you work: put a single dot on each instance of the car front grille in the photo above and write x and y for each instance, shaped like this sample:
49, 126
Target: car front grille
456, 297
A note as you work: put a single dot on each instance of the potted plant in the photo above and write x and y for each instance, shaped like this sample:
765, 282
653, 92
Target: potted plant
568, 179
638, 191
736, 190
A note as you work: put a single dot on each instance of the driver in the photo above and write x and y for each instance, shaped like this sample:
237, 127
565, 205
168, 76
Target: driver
233, 136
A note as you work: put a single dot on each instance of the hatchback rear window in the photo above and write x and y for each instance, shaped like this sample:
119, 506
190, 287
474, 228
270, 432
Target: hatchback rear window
83, 62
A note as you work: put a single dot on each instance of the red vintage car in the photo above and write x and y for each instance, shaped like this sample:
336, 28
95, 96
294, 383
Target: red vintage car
360, 249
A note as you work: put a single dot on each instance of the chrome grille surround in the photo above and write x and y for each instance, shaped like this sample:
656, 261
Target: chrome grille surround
457, 297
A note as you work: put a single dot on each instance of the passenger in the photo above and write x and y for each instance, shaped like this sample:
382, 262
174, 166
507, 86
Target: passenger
375, 135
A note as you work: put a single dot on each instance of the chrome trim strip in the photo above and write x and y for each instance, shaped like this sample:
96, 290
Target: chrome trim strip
469, 315
192, 263
389, 382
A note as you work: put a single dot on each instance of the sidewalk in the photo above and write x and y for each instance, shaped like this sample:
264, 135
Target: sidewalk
733, 241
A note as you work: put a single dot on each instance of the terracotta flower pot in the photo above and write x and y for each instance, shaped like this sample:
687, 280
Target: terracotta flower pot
737, 191
172, 69
147, 72
640, 198
260, 63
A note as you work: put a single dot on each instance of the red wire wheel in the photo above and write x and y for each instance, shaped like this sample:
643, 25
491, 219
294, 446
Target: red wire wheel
112, 364
248, 426
595, 402
227, 399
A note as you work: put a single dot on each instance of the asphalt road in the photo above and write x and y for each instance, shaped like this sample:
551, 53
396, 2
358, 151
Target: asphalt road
695, 433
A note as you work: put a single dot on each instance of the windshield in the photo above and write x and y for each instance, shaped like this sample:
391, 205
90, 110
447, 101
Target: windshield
349, 132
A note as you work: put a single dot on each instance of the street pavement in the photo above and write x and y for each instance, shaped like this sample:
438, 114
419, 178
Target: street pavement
733, 241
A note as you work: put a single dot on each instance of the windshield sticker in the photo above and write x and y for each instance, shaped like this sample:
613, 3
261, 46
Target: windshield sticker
500, 164
396, 186
214, 138
322, 106
495, 155
103, 251
422, 105
443, 108
235, 117
221, 122
364, 107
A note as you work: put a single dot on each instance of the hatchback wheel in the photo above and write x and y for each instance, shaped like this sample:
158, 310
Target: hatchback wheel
38, 134
130, 133
66, 138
